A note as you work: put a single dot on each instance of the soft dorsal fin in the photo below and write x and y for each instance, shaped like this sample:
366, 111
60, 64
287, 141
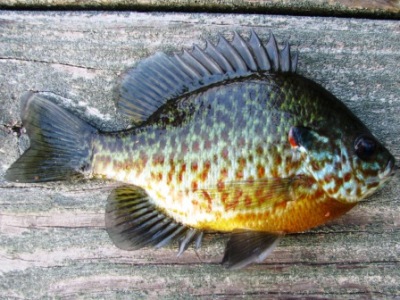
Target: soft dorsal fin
160, 78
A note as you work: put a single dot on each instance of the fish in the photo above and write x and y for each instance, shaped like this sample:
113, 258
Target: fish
226, 138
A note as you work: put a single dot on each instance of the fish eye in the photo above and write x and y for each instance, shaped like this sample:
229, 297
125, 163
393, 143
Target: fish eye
364, 147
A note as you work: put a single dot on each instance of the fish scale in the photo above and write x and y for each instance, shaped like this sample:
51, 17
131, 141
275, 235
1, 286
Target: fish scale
174, 182
227, 138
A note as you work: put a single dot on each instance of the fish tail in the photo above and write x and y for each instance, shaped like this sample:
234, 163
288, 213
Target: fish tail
60, 143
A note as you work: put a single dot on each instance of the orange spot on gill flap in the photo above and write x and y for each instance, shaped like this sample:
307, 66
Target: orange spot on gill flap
292, 139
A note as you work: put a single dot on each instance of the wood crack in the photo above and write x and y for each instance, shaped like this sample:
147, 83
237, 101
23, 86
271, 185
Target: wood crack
49, 63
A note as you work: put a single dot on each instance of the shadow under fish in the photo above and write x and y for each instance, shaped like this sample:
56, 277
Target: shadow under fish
229, 139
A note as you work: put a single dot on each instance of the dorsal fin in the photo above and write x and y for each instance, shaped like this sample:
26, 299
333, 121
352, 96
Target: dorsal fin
160, 78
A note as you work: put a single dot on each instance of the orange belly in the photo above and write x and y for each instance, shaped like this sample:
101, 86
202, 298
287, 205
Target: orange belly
295, 216
298, 207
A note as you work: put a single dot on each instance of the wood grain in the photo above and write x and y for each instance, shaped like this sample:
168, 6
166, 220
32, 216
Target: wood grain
52, 237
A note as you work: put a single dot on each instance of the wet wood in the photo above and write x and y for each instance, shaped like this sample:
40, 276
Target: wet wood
52, 237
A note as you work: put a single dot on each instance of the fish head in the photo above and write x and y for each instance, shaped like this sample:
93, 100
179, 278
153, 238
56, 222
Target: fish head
348, 167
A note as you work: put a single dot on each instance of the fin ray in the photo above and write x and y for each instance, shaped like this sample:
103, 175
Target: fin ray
259, 52
188, 69
244, 51
206, 60
231, 55
192, 235
194, 63
284, 58
60, 143
218, 57
133, 221
273, 52
246, 247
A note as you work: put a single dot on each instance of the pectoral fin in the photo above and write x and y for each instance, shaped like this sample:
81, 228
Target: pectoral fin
133, 221
246, 247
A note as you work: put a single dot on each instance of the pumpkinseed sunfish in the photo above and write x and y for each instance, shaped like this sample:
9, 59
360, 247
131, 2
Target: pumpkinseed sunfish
227, 139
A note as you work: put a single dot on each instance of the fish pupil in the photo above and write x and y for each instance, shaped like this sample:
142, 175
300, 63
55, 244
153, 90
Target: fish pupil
365, 147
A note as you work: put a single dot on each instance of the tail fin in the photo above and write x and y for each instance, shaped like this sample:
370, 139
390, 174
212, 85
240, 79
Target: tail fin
60, 143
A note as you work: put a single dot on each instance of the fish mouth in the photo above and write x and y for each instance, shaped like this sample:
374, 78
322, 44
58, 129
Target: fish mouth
390, 169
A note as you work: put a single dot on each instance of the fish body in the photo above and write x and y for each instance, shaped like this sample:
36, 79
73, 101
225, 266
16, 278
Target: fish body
228, 164
230, 139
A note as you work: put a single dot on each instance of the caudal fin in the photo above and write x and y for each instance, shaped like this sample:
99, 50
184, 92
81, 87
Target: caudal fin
60, 143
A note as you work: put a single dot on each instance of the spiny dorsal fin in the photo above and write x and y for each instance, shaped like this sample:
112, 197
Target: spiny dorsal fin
161, 78
133, 222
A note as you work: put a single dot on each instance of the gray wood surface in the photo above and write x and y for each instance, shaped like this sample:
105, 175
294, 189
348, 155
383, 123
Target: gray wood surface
52, 237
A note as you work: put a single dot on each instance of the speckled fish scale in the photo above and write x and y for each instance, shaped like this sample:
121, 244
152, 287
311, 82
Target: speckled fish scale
227, 132
229, 139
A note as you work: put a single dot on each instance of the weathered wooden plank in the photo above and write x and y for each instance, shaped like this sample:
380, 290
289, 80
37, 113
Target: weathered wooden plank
52, 238
377, 8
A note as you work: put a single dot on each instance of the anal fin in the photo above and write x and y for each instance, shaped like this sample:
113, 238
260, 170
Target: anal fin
192, 235
133, 221
246, 247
